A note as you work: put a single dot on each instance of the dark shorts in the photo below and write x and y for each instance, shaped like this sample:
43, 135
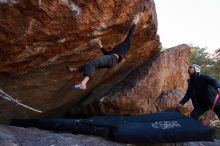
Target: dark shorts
104, 61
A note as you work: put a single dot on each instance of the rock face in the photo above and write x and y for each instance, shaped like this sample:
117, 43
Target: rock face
140, 91
39, 38
169, 100
37, 33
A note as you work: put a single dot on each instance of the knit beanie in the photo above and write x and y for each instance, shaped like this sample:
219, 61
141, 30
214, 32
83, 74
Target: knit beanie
196, 67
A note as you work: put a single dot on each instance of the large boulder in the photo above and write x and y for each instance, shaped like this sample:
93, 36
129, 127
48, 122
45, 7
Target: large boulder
39, 38
143, 91
37, 33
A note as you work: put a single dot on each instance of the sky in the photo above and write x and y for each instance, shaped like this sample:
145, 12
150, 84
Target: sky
195, 22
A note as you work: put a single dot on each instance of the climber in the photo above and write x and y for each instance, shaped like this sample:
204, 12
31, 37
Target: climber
107, 60
202, 90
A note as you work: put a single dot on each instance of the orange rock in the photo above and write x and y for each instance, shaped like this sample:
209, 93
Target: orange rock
35, 34
143, 90
39, 38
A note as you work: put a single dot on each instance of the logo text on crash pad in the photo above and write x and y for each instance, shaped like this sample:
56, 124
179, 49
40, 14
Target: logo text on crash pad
165, 124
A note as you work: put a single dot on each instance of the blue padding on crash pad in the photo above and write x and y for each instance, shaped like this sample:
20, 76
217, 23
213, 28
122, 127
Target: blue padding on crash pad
162, 127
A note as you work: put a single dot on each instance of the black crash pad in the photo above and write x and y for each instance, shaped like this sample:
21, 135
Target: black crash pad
162, 127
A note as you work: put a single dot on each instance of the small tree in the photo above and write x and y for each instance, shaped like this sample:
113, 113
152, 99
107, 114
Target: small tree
208, 64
